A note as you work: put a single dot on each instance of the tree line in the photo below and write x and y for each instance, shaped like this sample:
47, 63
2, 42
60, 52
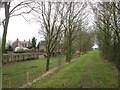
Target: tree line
107, 15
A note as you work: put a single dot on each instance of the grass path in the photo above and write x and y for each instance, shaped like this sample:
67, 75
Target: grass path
88, 71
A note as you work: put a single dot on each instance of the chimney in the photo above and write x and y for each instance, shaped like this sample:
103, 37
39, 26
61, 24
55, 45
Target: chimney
17, 39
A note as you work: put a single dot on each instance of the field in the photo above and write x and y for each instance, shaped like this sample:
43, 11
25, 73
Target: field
88, 71
16, 75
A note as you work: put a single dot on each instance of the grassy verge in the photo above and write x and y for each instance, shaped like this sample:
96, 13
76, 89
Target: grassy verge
88, 71
18, 74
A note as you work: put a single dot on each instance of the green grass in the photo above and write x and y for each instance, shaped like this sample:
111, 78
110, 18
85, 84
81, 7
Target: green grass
88, 71
18, 72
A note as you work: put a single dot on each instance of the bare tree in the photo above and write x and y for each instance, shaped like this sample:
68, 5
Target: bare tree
83, 41
9, 12
49, 15
108, 30
71, 26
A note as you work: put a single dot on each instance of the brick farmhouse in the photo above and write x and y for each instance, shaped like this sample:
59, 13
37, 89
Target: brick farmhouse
18, 43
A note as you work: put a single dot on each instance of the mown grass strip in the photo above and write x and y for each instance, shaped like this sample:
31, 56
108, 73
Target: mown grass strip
88, 71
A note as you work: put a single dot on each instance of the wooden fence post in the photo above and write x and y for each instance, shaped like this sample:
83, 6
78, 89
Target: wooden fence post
9, 82
11, 57
23, 57
59, 60
27, 77
18, 57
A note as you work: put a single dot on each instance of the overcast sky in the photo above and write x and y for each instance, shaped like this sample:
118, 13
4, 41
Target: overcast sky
21, 29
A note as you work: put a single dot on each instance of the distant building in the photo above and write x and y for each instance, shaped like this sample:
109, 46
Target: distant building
95, 47
18, 43
42, 46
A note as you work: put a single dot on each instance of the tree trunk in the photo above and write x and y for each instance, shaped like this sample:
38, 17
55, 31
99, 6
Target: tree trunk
69, 52
67, 56
79, 52
5, 25
4, 36
0, 65
47, 62
119, 16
